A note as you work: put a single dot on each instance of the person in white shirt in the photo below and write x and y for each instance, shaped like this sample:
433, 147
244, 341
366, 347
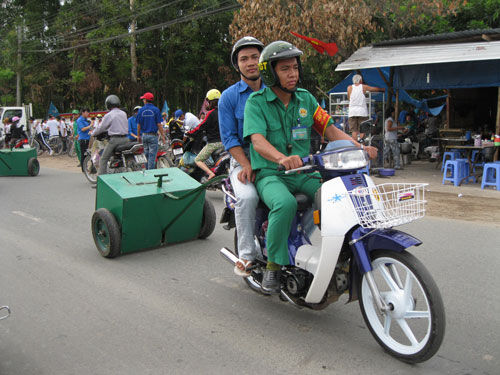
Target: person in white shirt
358, 111
53, 126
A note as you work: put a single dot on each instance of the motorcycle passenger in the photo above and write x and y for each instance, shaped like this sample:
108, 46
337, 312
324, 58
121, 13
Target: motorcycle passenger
16, 132
244, 59
278, 121
211, 127
115, 123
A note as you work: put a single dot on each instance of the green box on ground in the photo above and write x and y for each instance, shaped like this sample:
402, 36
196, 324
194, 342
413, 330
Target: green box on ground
148, 217
19, 162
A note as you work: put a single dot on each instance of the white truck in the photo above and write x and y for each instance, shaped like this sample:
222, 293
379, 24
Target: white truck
24, 112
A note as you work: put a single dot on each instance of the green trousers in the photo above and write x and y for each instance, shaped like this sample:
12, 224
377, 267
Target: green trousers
277, 193
77, 150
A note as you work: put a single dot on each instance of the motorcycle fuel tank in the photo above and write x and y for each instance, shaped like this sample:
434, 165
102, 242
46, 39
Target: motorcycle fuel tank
151, 212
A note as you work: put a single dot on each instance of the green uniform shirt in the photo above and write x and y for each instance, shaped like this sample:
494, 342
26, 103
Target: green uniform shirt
266, 114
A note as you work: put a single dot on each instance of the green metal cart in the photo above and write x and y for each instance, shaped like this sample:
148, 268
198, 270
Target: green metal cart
19, 162
147, 209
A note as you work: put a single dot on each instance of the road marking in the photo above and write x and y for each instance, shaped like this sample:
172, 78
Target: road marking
27, 216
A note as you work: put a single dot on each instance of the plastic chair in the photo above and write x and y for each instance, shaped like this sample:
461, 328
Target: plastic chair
467, 170
491, 175
458, 170
452, 155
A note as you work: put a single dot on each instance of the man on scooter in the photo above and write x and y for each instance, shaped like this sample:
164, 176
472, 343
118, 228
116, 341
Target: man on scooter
278, 121
245, 59
115, 123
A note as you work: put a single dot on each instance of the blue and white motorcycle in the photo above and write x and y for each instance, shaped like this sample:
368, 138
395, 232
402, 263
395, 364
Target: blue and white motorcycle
360, 253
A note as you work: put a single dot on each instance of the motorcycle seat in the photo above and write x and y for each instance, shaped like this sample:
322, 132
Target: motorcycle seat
124, 147
303, 202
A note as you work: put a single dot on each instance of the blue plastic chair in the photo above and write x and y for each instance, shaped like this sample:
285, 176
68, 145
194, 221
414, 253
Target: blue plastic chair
458, 170
449, 155
491, 175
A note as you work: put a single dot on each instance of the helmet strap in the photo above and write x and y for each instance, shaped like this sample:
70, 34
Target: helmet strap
278, 85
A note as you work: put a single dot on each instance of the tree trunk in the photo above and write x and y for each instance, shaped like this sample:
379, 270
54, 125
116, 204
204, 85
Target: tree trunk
133, 54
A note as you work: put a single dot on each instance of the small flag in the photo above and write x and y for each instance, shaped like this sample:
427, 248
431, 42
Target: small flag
318, 45
323, 103
53, 110
165, 108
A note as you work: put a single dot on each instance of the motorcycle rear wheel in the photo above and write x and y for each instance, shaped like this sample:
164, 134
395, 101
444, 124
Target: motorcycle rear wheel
414, 328
89, 170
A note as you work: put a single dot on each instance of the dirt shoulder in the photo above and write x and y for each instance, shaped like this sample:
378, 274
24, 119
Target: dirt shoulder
439, 204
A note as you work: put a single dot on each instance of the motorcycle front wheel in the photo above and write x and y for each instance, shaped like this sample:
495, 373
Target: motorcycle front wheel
413, 328
164, 162
89, 170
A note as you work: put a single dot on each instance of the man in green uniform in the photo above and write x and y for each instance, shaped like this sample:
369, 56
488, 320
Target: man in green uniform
278, 120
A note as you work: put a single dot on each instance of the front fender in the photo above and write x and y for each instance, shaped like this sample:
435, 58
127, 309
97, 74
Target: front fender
390, 239
387, 239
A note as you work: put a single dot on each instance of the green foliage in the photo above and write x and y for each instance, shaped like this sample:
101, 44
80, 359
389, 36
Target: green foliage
188, 56
77, 76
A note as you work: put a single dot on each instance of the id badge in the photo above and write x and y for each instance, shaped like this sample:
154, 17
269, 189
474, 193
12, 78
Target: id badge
299, 133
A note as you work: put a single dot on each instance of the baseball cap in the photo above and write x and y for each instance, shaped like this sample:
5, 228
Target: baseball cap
178, 113
137, 107
148, 96
75, 112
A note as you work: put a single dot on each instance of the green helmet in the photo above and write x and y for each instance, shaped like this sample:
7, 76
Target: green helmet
273, 52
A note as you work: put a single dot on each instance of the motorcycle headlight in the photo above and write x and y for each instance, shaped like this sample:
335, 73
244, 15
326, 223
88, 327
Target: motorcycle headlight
349, 159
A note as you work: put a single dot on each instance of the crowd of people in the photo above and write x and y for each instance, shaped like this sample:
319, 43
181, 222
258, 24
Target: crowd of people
264, 120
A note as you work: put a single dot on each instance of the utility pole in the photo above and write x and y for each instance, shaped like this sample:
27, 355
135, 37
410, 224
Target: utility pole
133, 54
19, 62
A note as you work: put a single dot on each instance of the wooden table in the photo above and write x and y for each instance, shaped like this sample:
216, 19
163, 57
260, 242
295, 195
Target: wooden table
443, 143
469, 149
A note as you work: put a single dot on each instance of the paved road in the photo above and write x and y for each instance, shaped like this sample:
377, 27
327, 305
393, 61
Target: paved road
180, 310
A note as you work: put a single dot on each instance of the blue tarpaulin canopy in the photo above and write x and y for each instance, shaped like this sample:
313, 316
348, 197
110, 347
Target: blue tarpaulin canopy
371, 77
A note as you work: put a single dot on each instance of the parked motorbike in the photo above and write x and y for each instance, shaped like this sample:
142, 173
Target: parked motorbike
126, 158
360, 253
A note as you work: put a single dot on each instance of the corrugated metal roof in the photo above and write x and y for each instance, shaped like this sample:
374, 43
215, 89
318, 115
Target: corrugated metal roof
401, 55
452, 37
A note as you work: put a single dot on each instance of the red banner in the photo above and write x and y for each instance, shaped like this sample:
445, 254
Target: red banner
318, 45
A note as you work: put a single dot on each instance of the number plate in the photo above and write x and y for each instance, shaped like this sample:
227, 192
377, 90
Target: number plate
178, 151
141, 158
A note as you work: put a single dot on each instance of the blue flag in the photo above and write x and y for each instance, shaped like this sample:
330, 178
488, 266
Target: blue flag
323, 103
165, 107
53, 110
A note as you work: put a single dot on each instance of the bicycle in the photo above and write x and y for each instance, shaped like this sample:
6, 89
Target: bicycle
56, 144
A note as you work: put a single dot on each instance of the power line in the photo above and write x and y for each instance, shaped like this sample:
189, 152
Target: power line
196, 15
113, 21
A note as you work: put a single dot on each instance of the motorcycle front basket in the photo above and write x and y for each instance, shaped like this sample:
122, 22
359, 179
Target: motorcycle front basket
388, 205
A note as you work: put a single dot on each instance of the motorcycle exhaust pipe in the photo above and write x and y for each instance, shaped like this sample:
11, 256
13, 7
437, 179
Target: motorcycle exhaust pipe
228, 255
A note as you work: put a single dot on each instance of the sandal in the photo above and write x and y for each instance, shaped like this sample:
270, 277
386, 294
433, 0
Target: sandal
245, 264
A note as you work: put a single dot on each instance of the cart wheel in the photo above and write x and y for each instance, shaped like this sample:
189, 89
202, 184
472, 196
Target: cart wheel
106, 233
208, 220
33, 167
